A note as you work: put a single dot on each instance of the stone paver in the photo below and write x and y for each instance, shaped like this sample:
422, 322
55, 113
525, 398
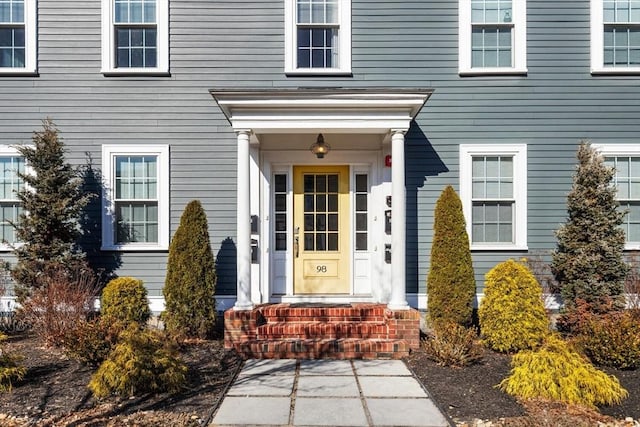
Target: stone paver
327, 393
405, 412
329, 412
253, 410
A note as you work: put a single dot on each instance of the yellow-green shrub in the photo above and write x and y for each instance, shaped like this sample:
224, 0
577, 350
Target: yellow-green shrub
556, 372
141, 362
512, 315
125, 299
451, 344
10, 368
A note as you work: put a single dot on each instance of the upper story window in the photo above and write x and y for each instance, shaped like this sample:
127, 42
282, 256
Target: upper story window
625, 159
136, 199
17, 36
492, 36
11, 164
493, 190
615, 36
318, 36
135, 36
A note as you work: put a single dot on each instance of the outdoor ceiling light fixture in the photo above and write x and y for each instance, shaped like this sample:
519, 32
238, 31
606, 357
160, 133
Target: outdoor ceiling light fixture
320, 148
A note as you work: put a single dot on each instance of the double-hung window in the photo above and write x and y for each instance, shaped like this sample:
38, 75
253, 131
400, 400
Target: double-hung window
135, 36
625, 159
136, 205
17, 36
493, 190
11, 165
492, 36
318, 36
615, 36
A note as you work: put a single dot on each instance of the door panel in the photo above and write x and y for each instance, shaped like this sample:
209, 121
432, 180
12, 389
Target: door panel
321, 230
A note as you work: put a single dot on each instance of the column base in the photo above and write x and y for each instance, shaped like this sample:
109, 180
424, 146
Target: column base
242, 307
396, 306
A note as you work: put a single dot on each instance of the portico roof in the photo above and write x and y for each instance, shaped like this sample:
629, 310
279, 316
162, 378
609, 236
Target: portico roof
362, 110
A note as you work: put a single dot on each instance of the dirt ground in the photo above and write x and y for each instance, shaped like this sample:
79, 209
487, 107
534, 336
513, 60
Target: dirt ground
55, 393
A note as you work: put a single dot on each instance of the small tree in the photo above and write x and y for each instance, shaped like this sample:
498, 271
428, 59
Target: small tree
53, 201
588, 262
451, 284
190, 283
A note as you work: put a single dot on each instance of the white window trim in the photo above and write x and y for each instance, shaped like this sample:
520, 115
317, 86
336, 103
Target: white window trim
607, 150
109, 152
290, 41
108, 42
519, 153
30, 35
12, 151
597, 44
519, 10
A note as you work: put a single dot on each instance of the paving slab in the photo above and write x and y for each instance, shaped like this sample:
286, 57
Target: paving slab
325, 367
269, 367
381, 367
329, 412
253, 410
331, 386
262, 385
391, 387
405, 412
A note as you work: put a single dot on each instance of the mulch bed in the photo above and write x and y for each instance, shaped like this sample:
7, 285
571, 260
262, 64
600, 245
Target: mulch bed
55, 393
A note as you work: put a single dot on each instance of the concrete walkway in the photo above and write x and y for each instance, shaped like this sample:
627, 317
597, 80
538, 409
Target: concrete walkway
327, 393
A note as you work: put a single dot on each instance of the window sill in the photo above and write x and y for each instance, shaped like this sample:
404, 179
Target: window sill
314, 72
493, 72
612, 71
135, 248
18, 72
632, 247
134, 72
499, 247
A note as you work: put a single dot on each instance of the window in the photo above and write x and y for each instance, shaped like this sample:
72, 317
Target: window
493, 189
280, 210
136, 199
11, 164
17, 36
615, 36
135, 36
318, 36
625, 159
361, 211
492, 36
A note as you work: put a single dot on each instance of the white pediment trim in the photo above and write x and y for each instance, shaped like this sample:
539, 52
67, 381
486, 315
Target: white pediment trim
374, 111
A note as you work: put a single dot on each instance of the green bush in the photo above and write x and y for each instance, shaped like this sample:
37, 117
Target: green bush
90, 342
512, 315
556, 372
190, 283
451, 284
141, 362
10, 368
125, 299
612, 340
450, 344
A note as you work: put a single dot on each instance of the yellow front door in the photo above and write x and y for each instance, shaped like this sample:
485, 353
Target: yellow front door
321, 229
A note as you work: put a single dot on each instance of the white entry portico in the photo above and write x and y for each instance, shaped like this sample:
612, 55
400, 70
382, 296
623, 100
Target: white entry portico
288, 198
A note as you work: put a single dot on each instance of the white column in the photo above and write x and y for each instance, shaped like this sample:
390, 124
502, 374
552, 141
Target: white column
398, 224
243, 218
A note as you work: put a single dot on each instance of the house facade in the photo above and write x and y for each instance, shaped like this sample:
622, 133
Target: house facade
318, 134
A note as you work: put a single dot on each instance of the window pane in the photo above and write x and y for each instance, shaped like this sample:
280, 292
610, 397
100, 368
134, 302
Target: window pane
281, 202
361, 241
321, 242
308, 203
308, 184
332, 184
361, 184
281, 222
321, 222
333, 222
304, 12
308, 242
361, 202
321, 203
361, 222
308, 222
150, 11
321, 183
332, 203
281, 242
281, 183
332, 244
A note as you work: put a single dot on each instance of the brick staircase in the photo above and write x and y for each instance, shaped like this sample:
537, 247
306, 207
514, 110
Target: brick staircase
322, 331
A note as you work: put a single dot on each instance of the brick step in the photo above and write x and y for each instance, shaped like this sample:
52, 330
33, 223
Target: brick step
345, 348
277, 313
315, 329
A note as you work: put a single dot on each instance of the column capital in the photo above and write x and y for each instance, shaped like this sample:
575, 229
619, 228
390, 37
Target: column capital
399, 131
242, 131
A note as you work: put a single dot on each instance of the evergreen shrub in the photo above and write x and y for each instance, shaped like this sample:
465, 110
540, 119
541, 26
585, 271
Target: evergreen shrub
450, 344
190, 283
451, 284
11, 370
141, 362
512, 315
588, 262
125, 299
612, 340
91, 341
557, 372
